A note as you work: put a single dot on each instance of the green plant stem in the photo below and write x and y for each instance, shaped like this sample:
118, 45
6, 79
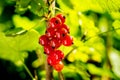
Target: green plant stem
39, 22
99, 34
70, 51
36, 76
26, 68
28, 71
60, 10
107, 64
60, 75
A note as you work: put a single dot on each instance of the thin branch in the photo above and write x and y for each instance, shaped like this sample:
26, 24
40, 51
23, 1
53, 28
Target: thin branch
43, 19
71, 51
36, 76
49, 71
17, 33
60, 10
99, 34
28, 71
51, 12
60, 75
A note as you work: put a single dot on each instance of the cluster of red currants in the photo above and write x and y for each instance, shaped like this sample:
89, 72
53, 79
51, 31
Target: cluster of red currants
57, 34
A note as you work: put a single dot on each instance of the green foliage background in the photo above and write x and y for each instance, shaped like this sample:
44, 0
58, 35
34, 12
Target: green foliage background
94, 25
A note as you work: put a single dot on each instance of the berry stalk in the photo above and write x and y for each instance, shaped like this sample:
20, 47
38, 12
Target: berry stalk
51, 12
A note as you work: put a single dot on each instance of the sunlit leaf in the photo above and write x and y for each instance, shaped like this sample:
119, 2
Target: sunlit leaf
99, 71
90, 5
72, 22
23, 22
63, 6
115, 60
116, 25
14, 48
89, 29
111, 6
73, 70
103, 24
68, 3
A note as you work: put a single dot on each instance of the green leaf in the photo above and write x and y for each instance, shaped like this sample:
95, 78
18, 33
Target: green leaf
68, 3
76, 69
72, 22
116, 25
115, 61
85, 5
89, 29
23, 22
63, 6
41, 2
99, 71
24, 3
111, 6
14, 48
38, 7
21, 6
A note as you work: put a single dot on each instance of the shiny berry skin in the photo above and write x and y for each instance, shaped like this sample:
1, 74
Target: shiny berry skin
61, 33
59, 66
54, 22
48, 49
53, 59
67, 41
55, 43
66, 27
50, 32
43, 40
51, 25
62, 17
59, 53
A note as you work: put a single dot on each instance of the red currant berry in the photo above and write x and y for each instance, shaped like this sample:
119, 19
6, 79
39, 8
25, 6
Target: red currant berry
62, 17
55, 43
48, 49
50, 32
54, 22
58, 67
53, 59
66, 27
51, 25
61, 32
43, 40
67, 40
59, 53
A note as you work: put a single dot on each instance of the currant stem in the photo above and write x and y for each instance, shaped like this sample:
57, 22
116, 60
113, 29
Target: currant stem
60, 10
60, 75
51, 12
49, 71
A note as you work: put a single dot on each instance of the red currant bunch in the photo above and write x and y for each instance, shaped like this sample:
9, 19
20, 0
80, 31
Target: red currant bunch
56, 34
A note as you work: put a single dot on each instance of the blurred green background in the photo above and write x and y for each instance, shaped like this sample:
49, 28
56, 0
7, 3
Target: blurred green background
94, 25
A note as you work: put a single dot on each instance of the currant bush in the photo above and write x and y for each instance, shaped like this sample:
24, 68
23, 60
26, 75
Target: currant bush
56, 34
